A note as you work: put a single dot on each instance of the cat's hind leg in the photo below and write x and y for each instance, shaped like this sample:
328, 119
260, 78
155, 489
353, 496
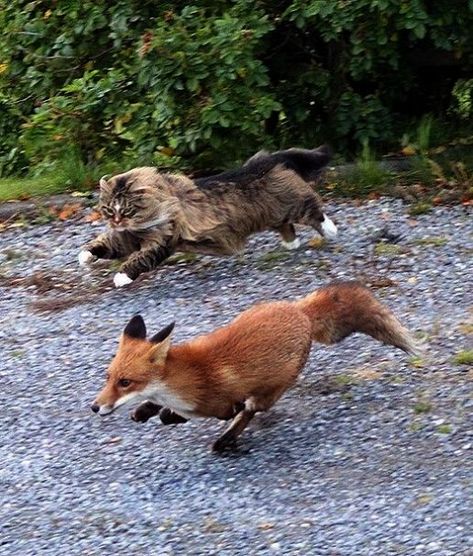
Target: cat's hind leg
311, 214
288, 234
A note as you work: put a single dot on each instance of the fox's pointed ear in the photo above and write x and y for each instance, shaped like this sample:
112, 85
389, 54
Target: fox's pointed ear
163, 334
162, 341
136, 328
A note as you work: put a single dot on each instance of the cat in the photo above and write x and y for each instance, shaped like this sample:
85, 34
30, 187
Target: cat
151, 215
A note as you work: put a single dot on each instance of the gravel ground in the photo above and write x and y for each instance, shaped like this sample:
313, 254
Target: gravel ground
370, 454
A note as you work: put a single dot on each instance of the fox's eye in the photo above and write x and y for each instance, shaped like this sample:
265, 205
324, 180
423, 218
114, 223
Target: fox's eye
124, 382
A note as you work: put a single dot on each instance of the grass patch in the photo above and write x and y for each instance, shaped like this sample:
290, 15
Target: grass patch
69, 173
416, 426
13, 254
396, 379
422, 207
464, 357
388, 249
271, 259
435, 241
183, 258
365, 178
44, 216
23, 188
422, 406
417, 362
444, 429
345, 380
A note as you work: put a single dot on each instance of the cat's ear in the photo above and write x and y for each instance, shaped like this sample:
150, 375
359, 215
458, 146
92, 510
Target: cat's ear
162, 343
325, 154
136, 328
103, 181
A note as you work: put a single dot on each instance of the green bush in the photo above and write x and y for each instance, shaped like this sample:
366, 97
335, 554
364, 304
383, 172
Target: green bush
205, 85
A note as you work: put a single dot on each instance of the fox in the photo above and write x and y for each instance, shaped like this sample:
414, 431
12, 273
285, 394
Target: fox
244, 367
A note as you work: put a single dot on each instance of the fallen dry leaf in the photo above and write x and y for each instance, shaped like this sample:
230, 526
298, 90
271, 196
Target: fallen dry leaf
316, 242
367, 374
93, 216
381, 282
80, 193
113, 440
409, 150
68, 211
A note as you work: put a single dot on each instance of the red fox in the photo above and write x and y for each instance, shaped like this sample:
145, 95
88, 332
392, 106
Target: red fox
244, 367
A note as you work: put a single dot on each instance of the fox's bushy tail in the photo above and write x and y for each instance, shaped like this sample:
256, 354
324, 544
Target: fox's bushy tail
340, 309
307, 163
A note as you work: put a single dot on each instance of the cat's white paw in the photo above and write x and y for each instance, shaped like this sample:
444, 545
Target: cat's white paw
85, 257
295, 244
328, 228
121, 279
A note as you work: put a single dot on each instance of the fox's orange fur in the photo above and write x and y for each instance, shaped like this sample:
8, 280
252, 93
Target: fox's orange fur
245, 366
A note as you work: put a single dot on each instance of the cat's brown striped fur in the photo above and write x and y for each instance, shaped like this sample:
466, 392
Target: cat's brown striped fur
153, 214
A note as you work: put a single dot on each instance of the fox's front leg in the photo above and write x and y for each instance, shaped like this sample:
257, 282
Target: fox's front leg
148, 409
145, 260
145, 411
110, 245
170, 417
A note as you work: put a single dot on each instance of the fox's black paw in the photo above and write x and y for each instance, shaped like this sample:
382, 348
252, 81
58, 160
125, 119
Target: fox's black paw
224, 444
144, 412
139, 416
169, 417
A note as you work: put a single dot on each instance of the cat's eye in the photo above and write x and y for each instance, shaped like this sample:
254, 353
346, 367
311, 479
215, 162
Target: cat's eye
107, 211
124, 382
129, 211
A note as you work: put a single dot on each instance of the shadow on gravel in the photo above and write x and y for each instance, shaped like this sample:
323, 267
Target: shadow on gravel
54, 290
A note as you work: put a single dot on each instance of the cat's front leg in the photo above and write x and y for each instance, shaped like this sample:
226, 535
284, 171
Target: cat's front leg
111, 245
145, 260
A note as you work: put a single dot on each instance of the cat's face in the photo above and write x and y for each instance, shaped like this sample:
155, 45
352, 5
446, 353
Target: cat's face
127, 201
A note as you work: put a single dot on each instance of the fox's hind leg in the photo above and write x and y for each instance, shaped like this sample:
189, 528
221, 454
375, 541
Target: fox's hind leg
237, 426
288, 234
252, 405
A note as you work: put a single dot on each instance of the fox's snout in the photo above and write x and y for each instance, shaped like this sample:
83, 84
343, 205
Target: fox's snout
101, 409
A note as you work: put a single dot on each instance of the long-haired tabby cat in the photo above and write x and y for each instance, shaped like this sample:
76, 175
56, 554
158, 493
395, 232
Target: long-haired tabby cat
151, 214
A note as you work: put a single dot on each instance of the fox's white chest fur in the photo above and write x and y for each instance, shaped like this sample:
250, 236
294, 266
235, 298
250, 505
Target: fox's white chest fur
160, 394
